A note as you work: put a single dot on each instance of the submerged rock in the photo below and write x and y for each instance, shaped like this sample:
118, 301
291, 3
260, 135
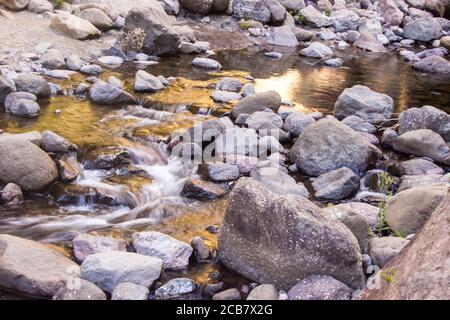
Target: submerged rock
246, 239
32, 268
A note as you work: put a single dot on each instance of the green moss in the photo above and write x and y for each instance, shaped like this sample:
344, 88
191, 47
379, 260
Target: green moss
245, 25
58, 3
389, 275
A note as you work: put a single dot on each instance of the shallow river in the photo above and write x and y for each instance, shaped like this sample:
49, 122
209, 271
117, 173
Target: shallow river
151, 200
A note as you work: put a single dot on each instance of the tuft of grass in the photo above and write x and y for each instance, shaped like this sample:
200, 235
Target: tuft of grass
245, 25
385, 183
389, 275
58, 3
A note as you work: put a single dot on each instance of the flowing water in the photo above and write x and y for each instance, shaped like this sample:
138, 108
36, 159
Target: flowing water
146, 197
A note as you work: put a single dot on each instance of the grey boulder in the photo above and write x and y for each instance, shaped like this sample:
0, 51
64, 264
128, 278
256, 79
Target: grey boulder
336, 184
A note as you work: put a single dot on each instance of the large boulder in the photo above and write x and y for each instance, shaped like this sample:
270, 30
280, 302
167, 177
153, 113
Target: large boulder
34, 84
277, 239
105, 93
85, 245
369, 42
25, 164
74, 27
199, 6
344, 20
15, 5
424, 29
421, 270
427, 117
6, 87
416, 167
161, 38
146, 82
257, 102
327, 145
32, 268
277, 11
282, 36
251, 10
364, 103
433, 64
108, 269
407, 211
423, 143
98, 18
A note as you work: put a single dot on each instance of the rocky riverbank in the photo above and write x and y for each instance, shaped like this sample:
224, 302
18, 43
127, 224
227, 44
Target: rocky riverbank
340, 204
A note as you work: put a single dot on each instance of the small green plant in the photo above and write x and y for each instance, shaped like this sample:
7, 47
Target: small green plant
385, 182
300, 19
389, 275
327, 12
58, 3
245, 25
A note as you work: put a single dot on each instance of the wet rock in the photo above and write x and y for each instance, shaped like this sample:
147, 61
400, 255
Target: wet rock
105, 93
176, 288
427, 117
206, 63
33, 83
108, 269
315, 18
15, 5
320, 287
25, 164
388, 138
161, 38
274, 55
303, 35
407, 182
316, 50
278, 181
130, 291
433, 65
251, 10
423, 29
364, 103
225, 96
359, 124
51, 142
344, 20
91, 69
189, 48
253, 220
11, 194
74, 27
40, 6
82, 290
229, 84
407, 211
202, 190
74, 62
346, 211
381, 250
369, 42
98, 18
282, 36
230, 294
336, 185
201, 250
111, 62
69, 168
257, 102
213, 288
173, 252
263, 292
107, 158
32, 268
53, 59
327, 145
219, 171
25, 108
6, 88
85, 245
440, 52
335, 63
145, 82
417, 167
423, 143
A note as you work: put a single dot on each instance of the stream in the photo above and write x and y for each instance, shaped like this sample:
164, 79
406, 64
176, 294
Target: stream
146, 196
